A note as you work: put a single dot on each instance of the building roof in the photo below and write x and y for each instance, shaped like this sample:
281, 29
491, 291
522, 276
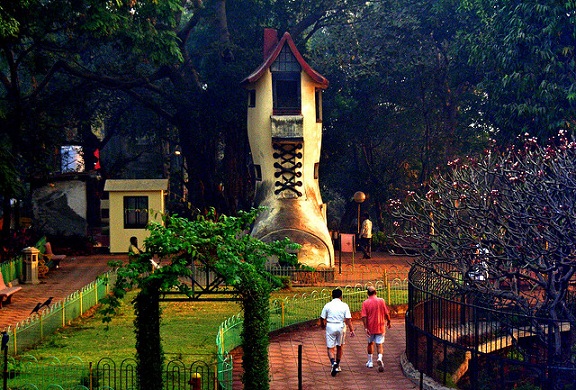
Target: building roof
286, 39
136, 185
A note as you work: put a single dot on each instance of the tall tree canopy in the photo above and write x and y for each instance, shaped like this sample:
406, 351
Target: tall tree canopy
401, 99
525, 50
412, 83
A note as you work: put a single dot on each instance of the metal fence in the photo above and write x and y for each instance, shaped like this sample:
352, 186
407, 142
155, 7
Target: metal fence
12, 269
340, 275
31, 331
461, 341
74, 374
302, 308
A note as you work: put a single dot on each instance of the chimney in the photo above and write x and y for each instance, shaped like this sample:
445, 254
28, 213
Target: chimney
270, 41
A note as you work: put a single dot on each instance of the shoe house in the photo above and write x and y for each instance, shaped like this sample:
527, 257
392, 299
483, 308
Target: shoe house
285, 134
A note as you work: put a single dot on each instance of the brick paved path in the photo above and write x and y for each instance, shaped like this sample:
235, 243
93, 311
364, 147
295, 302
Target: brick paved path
316, 375
73, 274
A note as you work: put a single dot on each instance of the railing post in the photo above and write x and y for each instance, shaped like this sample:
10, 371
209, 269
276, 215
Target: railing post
221, 341
14, 343
388, 287
90, 375
81, 302
300, 367
282, 313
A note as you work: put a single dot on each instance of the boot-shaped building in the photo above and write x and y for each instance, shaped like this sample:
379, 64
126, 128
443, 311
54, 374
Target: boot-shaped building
285, 134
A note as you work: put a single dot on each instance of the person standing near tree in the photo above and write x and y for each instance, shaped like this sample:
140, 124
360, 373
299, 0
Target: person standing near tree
335, 318
375, 317
366, 236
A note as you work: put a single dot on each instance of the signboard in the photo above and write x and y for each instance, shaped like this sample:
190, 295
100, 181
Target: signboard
347, 243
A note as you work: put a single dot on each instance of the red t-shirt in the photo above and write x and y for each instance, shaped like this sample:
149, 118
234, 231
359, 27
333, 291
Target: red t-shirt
376, 312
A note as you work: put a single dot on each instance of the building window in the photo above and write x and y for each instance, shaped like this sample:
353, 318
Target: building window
286, 83
252, 98
135, 212
318, 104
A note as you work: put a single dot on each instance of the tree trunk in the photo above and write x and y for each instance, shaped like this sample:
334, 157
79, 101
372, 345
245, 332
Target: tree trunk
149, 353
255, 338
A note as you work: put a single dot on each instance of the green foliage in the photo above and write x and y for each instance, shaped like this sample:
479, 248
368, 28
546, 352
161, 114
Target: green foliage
525, 50
221, 243
286, 282
381, 240
397, 69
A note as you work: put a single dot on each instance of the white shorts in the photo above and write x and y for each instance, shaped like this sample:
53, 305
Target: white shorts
376, 338
335, 334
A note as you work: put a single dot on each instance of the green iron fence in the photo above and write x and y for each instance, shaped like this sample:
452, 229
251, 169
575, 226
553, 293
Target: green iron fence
50, 373
302, 308
11, 270
31, 331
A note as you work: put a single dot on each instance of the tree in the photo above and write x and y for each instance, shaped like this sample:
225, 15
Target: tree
512, 210
223, 245
525, 50
401, 99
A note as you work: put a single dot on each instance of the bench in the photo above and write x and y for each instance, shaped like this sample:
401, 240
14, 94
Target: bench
51, 257
6, 292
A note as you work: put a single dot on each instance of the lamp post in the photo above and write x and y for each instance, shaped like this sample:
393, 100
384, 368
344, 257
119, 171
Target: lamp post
359, 197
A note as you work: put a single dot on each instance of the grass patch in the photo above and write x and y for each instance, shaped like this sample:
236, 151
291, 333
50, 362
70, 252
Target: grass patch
187, 328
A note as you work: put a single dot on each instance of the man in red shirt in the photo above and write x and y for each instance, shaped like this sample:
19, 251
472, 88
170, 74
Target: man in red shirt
375, 314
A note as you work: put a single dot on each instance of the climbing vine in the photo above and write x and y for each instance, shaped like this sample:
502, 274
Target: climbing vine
222, 243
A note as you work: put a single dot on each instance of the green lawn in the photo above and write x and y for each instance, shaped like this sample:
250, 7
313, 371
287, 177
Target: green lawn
188, 330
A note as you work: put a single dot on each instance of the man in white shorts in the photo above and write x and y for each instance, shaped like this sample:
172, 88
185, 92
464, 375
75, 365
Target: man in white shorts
334, 318
374, 314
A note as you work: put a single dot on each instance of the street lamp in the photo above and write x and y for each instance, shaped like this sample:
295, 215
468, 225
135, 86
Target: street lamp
359, 197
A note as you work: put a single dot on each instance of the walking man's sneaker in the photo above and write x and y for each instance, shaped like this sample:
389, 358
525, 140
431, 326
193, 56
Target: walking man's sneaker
369, 364
380, 365
334, 369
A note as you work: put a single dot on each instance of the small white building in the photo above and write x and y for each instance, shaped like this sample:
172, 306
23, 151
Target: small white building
133, 203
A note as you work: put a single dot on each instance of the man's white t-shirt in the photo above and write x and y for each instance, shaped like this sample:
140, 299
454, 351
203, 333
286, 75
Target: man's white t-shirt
336, 311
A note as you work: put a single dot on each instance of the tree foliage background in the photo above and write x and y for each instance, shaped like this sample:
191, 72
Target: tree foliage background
413, 84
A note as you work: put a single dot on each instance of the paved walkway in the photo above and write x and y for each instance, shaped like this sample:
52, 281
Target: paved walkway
76, 272
316, 366
283, 351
